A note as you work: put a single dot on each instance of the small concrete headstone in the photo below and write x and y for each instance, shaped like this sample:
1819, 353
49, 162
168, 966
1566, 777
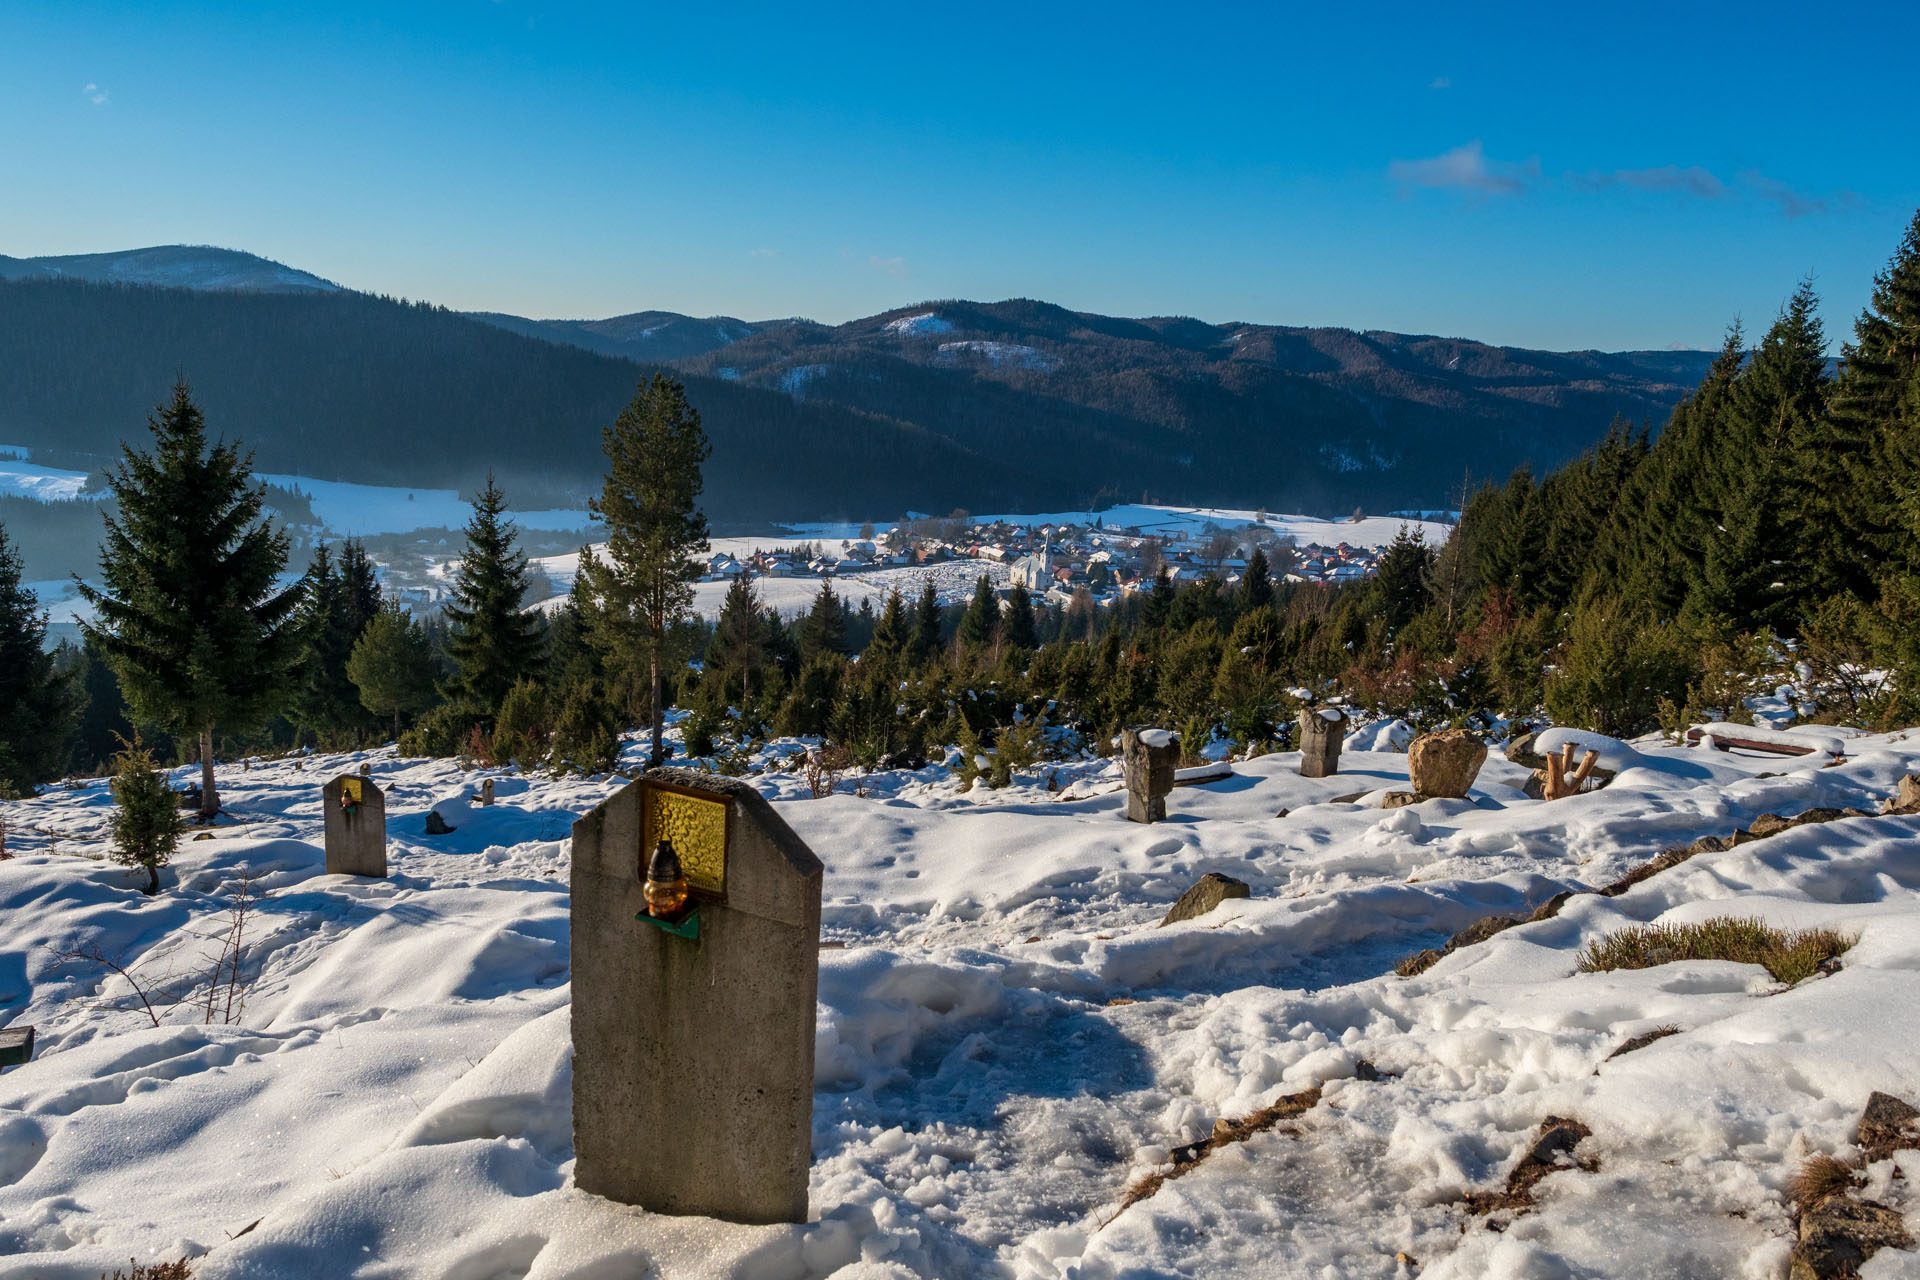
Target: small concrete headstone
1208, 892
1322, 730
356, 827
693, 1032
486, 791
16, 1046
1147, 758
366, 770
1445, 763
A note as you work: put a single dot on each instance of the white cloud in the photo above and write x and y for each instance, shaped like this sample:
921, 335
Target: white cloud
1464, 168
95, 94
895, 267
1795, 203
1692, 180
763, 253
1441, 82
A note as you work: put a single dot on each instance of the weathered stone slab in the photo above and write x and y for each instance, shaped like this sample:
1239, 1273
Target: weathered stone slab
1445, 763
693, 1037
1147, 759
1208, 892
1322, 731
356, 827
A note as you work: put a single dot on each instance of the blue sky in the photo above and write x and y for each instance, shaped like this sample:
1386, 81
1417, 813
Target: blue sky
1519, 174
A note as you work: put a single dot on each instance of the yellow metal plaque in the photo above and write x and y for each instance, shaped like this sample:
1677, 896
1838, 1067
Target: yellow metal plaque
696, 827
350, 791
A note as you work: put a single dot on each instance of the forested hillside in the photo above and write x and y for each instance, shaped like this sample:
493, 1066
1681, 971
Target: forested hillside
1012, 406
352, 387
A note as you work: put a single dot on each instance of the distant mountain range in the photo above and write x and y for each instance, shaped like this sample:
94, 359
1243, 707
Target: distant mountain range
1010, 405
177, 266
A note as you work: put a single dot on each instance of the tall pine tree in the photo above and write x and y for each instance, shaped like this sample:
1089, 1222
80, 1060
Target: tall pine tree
38, 704
492, 642
1754, 572
1017, 628
926, 624
980, 623
650, 504
892, 633
1876, 417
824, 630
738, 649
189, 613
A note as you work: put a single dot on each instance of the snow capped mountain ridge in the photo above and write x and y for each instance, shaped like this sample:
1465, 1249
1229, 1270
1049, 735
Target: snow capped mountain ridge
172, 266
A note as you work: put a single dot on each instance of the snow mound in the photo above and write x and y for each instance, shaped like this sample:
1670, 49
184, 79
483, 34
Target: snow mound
1381, 735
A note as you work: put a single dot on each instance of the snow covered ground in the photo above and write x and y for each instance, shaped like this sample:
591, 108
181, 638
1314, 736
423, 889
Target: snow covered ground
1006, 1038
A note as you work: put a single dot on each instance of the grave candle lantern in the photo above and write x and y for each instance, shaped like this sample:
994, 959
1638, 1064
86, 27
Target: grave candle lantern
666, 887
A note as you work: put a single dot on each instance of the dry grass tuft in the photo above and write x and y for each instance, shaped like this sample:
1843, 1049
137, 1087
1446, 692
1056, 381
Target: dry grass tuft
154, 1271
1224, 1132
1644, 1039
1419, 962
1788, 954
1821, 1178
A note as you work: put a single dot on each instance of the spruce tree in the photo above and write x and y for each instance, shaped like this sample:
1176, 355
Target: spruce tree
333, 611
1016, 623
892, 633
1651, 553
926, 624
146, 821
980, 623
38, 703
825, 628
1754, 572
491, 640
360, 594
739, 646
1400, 586
650, 504
1876, 418
1256, 584
1159, 606
391, 666
188, 613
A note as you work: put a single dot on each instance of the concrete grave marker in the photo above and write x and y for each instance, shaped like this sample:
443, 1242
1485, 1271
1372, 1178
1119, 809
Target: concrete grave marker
356, 827
16, 1046
1322, 730
693, 1030
1147, 757
486, 792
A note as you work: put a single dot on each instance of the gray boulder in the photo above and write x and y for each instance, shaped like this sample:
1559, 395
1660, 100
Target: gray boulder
1208, 892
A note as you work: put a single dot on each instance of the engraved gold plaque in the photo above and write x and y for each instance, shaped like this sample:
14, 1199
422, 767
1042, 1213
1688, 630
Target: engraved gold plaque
696, 826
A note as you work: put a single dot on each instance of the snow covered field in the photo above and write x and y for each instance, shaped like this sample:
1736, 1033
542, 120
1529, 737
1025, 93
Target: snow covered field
1006, 1039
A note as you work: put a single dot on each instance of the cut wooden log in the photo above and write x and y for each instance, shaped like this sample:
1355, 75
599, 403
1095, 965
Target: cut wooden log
1773, 743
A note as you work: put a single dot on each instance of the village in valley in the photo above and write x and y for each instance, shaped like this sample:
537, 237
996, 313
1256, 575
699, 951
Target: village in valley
1061, 562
